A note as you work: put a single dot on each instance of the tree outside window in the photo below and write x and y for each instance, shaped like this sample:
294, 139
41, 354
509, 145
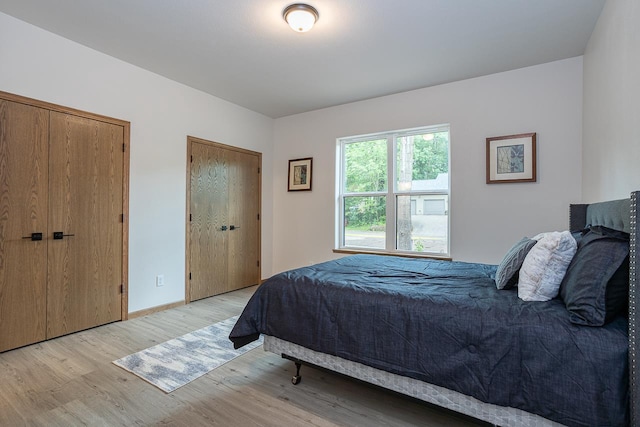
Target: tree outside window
394, 191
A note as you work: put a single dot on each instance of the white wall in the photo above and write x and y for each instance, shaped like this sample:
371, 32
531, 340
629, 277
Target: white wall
41, 65
611, 149
485, 219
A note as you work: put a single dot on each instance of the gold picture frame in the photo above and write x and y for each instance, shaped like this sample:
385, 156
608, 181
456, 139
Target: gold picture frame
300, 174
511, 158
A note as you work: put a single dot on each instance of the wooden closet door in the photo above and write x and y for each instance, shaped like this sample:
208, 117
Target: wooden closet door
23, 210
209, 221
244, 187
224, 229
85, 204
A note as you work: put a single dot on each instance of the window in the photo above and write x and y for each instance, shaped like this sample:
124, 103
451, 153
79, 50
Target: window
393, 191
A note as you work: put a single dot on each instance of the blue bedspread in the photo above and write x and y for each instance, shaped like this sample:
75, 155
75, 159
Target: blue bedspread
446, 323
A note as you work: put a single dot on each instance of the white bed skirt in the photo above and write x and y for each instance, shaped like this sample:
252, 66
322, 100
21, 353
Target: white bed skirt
458, 402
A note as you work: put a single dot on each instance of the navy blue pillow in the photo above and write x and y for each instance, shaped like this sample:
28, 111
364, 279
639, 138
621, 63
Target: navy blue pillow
595, 288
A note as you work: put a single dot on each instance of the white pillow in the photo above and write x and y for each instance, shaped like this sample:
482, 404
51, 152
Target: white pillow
545, 265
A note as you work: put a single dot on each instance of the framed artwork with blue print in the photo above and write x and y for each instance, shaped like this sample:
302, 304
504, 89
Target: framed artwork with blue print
300, 174
511, 158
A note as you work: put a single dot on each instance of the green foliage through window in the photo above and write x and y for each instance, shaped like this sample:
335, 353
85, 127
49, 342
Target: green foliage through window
430, 155
367, 212
366, 166
396, 182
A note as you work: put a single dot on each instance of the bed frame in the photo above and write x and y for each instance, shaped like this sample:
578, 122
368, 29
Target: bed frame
617, 214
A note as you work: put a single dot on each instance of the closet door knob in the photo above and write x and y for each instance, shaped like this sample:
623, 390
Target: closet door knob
34, 237
59, 235
233, 227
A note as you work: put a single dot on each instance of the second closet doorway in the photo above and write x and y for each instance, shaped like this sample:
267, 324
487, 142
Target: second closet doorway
223, 218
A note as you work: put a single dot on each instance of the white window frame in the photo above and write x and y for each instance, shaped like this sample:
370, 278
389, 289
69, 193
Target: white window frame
391, 192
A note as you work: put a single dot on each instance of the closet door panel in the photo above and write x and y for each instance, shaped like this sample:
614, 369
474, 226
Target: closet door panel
85, 193
23, 211
243, 214
209, 221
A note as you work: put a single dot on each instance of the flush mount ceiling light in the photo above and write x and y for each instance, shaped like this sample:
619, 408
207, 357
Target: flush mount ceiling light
300, 17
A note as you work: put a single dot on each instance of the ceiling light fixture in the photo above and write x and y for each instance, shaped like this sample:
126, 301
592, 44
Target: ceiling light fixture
300, 17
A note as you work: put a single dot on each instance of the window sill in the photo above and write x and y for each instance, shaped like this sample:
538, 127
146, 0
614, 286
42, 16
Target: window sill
400, 254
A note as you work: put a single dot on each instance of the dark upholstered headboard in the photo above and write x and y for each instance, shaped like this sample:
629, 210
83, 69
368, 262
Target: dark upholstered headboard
613, 214
621, 215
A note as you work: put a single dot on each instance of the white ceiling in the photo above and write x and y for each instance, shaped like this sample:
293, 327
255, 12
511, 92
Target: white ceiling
243, 51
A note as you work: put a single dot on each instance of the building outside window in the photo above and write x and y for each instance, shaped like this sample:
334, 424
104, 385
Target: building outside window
393, 191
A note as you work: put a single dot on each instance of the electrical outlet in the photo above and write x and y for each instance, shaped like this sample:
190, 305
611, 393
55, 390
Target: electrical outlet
160, 280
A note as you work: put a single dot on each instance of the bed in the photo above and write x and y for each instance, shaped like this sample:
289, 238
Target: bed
441, 331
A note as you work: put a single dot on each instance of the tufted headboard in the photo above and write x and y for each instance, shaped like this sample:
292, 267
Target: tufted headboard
621, 215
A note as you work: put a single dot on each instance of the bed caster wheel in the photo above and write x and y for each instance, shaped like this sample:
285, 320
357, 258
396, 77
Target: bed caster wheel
297, 378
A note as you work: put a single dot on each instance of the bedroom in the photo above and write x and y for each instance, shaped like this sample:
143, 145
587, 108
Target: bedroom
579, 101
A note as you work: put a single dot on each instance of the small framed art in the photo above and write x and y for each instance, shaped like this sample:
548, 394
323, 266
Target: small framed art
511, 158
300, 174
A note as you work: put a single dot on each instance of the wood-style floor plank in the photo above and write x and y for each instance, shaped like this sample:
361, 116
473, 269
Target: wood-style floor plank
70, 381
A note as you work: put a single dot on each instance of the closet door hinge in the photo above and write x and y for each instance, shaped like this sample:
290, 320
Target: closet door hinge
122, 288
258, 170
190, 217
191, 159
258, 263
258, 217
122, 218
189, 276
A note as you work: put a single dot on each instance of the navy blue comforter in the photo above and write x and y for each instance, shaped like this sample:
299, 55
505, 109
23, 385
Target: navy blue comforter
446, 323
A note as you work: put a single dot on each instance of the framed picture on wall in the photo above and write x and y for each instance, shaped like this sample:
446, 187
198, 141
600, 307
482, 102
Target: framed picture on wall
300, 174
511, 158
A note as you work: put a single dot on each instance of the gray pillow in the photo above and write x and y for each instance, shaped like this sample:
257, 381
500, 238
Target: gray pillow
507, 272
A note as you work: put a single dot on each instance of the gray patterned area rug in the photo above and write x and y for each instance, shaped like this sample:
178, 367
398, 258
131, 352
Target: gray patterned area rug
174, 363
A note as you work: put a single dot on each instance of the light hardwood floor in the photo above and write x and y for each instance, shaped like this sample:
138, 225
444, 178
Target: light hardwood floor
70, 381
